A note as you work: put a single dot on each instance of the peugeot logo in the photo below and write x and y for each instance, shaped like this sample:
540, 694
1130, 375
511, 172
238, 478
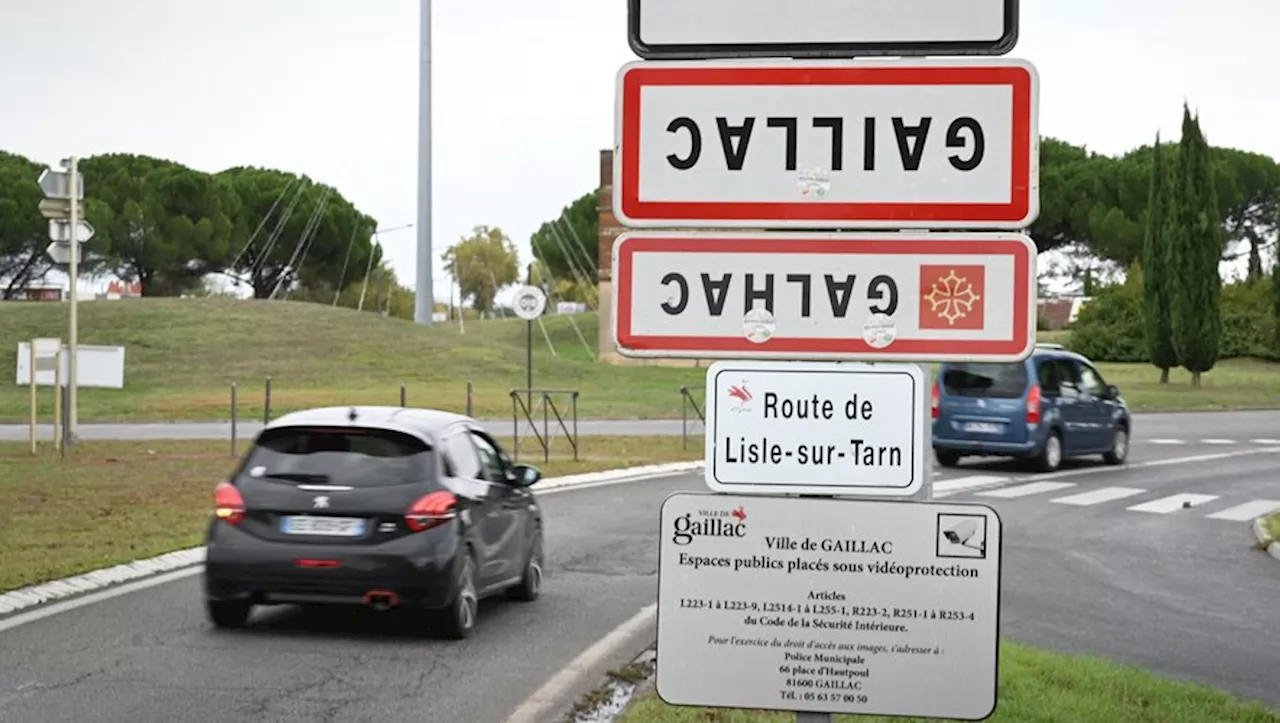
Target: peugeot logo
321, 503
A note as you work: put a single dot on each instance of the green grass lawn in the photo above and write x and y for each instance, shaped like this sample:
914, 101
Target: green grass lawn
1035, 686
114, 502
182, 355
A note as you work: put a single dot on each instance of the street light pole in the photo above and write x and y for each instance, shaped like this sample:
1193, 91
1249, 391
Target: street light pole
424, 299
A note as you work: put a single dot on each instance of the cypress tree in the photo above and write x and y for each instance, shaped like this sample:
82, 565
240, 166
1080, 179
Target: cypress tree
1155, 269
1195, 248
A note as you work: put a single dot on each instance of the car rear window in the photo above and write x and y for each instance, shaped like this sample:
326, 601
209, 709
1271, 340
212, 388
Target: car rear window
356, 457
1001, 381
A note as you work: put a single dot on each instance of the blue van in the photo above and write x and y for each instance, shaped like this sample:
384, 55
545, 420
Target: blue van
1052, 405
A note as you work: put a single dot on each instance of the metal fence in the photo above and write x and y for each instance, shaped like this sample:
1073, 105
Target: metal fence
523, 406
687, 402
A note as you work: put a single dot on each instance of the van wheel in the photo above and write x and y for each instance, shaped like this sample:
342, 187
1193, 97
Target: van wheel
1119, 447
946, 458
1050, 457
229, 614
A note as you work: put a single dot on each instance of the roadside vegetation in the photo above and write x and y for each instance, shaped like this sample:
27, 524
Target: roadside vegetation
182, 355
109, 503
1273, 527
1035, 685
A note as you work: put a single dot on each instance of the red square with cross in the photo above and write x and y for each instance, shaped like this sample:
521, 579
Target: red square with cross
952, 297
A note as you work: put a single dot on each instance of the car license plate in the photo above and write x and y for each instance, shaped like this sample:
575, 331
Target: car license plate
326, 526
983, 428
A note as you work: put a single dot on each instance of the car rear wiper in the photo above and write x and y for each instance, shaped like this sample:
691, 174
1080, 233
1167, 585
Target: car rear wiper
317, 479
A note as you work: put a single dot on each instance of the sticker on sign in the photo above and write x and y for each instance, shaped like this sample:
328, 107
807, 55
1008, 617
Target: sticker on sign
820, 28
816, 428
825, 296
829, 606
822, 144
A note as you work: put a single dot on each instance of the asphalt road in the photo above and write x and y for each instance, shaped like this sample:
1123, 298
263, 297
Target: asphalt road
1187, 427
1180, 592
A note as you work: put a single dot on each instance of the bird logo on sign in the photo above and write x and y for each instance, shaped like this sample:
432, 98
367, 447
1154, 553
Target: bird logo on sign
741, 395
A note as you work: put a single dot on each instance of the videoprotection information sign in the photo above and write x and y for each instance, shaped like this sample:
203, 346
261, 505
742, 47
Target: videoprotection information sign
816, 428
829, 605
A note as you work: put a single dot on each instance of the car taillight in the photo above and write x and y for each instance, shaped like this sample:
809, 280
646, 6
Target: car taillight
1033, 405
430, 511
228, 505
935, 398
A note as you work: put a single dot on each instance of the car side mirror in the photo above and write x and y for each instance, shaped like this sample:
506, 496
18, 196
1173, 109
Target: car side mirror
522, 475
1113, 392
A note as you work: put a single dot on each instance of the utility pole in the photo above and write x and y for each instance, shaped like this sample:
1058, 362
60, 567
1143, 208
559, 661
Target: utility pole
424, 299
73, 335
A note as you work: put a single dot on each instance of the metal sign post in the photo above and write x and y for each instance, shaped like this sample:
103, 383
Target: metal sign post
64, 192
530, 303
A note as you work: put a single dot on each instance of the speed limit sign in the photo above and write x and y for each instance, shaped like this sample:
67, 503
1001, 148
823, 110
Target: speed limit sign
530, 302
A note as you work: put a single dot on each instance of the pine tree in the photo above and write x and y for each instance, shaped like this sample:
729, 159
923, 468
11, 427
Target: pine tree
1195, 248
1156, 278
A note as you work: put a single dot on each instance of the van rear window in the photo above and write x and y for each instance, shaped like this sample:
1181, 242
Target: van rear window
1000, 381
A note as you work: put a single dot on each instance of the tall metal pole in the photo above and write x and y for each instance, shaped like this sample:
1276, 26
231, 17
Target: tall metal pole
73, 334
424, 298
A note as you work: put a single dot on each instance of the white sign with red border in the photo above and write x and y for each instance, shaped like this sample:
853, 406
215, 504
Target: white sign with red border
871, 144
825, 296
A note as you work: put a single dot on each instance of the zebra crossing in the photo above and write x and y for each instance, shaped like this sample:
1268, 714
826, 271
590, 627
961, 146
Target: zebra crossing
1131, 499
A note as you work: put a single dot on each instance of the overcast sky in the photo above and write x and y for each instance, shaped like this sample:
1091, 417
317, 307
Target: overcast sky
523, 91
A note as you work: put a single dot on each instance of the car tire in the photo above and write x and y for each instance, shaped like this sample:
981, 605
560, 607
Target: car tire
230, 614
947, 458
1050, 457
458, 620
530, 586
1119, 451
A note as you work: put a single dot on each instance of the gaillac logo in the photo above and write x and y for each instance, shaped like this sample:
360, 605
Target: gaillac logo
710, 523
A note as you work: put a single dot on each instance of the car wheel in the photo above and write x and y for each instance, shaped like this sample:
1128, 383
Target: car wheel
228, 613
459, 619
947, 459
1119, 447
530, 586
1050, 457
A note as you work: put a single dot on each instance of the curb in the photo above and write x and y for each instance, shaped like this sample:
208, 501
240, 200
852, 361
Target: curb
25, 598
1260, 531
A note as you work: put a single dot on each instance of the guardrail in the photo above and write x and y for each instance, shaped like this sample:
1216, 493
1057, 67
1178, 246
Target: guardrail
522, 405
687, 401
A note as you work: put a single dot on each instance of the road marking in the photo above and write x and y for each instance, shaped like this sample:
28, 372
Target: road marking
967, 483
553, 692
1097, 497
1266, 441
1165, 441
1173, 503
1247, 511
1217, 441
1034, 488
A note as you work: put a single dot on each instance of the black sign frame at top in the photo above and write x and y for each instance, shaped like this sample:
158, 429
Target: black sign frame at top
1001, 46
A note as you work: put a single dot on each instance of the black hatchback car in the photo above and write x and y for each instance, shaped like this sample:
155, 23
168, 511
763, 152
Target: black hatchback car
383, 507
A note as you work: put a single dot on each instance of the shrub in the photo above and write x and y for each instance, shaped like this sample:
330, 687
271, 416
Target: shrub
1110, 327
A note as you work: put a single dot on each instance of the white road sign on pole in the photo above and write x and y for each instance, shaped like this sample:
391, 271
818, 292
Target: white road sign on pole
61, 253
825, 296
829, 605
939, 143
55, 208
820, 28
60, 231
813, 428
530, 302
57, 184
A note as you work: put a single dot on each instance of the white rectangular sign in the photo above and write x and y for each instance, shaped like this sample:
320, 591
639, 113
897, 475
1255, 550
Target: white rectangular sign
828, 144
816, 428
817, 28
829, 606
98, 366
832, 296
